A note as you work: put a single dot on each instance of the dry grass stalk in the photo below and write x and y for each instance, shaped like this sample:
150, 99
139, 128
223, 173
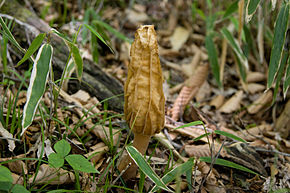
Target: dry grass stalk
144, 98
189, 90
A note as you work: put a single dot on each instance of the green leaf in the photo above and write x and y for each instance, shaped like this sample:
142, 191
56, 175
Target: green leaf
6, 175
98, 35
227, 163
32, 48
37, 84
251, 9
78, 61
201, 136
8, 34
213, 59
190, 124
242, 60
176, 172
55, 160
113, 31
80, 163
231, 9
287, 79
278, 43
229, 135
145, 167
19, 188
62, 147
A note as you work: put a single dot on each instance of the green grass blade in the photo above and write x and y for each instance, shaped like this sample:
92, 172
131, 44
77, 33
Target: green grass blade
227, 163
213, 59
32, 48
37, 84
98, 35
174, 173
113, 31
238, 51
8, 34
62, 36
78, 61
229, 135
278, 43
190, 124
145, 167
231, 9
251, 9
201, 136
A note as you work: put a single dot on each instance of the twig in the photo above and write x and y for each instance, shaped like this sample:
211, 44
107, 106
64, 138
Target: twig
272, 151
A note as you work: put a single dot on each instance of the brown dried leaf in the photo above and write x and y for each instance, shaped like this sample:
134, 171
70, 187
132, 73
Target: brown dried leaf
18, 167
179, 37
254, 88
189, 90
54, 176
104, 133
263, 100
144, 98
97, 153
282, 125
255, 77
217, 101
202, 150
82, 96
233, 103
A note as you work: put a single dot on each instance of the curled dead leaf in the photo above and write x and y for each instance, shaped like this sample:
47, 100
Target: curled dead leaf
233, 104
262, 101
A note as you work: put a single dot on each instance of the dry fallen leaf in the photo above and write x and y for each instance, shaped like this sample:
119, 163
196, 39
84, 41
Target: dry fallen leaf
217, 101
179, 37
8, 136
49, 175
81, 96
255, 77
254, 88
258, 104
233, 104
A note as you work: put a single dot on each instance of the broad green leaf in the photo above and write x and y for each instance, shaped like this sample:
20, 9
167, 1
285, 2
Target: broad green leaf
80, 163
113, 31
174, 173
37, 84
280, 74
32, 48
145, 167
287, 79
98, 35
227, 163
6, 175
238, 51
19, 188
190, 124
78, 61
55, 160
229, 135
62, 147
251, 9
231, 9
278, 43
8, 34
213, 59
